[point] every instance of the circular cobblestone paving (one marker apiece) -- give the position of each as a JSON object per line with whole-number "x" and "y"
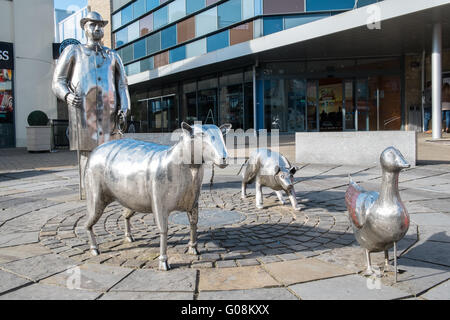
{"x": 231, "y": 232}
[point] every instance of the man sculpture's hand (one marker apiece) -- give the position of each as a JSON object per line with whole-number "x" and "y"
{"x": 73, "y": 100}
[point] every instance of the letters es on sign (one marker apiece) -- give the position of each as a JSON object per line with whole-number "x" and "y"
{"x": 6, "y": 55}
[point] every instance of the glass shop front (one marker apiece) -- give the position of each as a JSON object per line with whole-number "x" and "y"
{"x": 344, "y": 95}
{"x": 7, "y": 133}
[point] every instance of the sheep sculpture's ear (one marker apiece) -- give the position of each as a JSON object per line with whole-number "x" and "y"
{"x": 187, "y": 128}
{"x": 225, "y": 128}
{"x": 293, "y": 170}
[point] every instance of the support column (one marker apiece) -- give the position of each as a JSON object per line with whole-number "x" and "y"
{"x": 436, "y": 84}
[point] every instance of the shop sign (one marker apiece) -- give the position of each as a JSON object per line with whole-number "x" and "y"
{"x": 6, "y": 55}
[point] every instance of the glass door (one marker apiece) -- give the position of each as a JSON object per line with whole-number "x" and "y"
{"x": 330, "y": 104}
{"x": 6, "y": 109}
{"x": 296, "y": 105}
{"x": 349, "y": 106}
{"x": 311, "y": 105}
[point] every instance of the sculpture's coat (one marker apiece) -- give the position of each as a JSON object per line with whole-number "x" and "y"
{"x": 270, "y": 169}
{"x": 148, "y": 177}
{"x": 379, "y": 220}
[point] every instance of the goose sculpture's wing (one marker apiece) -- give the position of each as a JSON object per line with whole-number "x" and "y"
{"x": 358, "y": 203}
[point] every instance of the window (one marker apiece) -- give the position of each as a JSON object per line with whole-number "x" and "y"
{"x": 177, "y": 10}
{"x": 210, "y": 2}
{"x": 169, "y": 37}
{"x": 147, "y": 64}
{"x": 127, "y": 54}
{"x": 362, "y": 3}
{"x": 248, "y": 9}
{"x": 133, "y": 68}
{"x": 139, "y": 49}
{"x": 218, "y": 41}
{"x": 127, "y": 14}
{"x": 154, "y": 43}
{"x": 272, "y": 25}
{"x": 146, "y": 25}
{"x": 206, "y": 22}
{"x": 121, "y": 37}
{"x": 285, "y": 6}
{"x": 194, "y": 5}
{"x": 293, "y": 21}
{"x": 152, "y": 4}
{"x": 229, "y": 13}
{"x": 116, "y": 20}
{"x": 186, "y": 30}
{"x": 320, "y": 5}
{"x": 139, "y": 8}
{"x": 196, "y": 48}
{"x": 241, "y": 33}
{"x": 177, "y": 54}
{"x": 161, "y": 59}
{"x": 133, "y": 31}
{"x": 160, "y": 18}
{"x": 258, "y": 7}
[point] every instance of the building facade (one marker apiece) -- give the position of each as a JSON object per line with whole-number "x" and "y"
{"x": 309, "y": 65}
{"x": 26, "y": 66}
{"x": 69, "y": 27}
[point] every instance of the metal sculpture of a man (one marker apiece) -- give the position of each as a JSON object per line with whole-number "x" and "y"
{"x": 91, "y": 79}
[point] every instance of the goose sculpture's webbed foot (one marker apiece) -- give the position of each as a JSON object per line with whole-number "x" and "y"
{"x": 387, "y": 266}
{"x": 369, "y": 270}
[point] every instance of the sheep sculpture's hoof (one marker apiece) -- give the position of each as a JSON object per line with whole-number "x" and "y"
{"x": 129, "y": 239}
{"x": 193, "y": 251}
{"x": 163, "y": 266}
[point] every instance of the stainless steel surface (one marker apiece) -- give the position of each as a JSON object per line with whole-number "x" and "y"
{"x": 148, "y": 177}
{"x": 379, "y": 220}
{"x": 91, "y": 79}
{"x": 271, "y": 169}
{"x": 436, "y": 83}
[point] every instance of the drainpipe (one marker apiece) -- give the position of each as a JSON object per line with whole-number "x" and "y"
{"x": 436, "y": 76}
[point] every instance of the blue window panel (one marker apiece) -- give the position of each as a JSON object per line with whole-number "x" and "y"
{"x": 139, "y": 49}
{"x": 121, "y": 37}
{"x": 152, "y": 4}
{"x": 139, "y": 8}
{"x": 218, "y": 41}
{"x": 206, "y": 22}
{"x": 160, "y": 18}
{"x": 117, "y": 20}
{"x": 320, "y": 5}
{"x": 133, "y": 68}
{"x": 258, "y": 7}
{"x": 362, "y": 3}
{"x": 154, "y": 43}
{"x": 229, "y": 13}
{"x": 169, "y": 37}
{"x": 177, "y": 10}
{"x": 272, "y": 25}
{"x": 293, "y": 21}
{"x": 177, "y": 54}
{"x": 127, "y": 54}
{"x": 147, "y": 64}
{"x": 127, "y": 14}
{"x": 194, "y": 5}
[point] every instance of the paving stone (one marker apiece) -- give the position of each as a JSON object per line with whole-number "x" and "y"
{"x": 46, "y": 292}
{"x": 9, "y": 281}
{"x": 440, "y": 292}
{"x": 269, "y": 259}
{"x": 38, "y": 267}
{"x": 22, "y": 252}
{"x": 251, "y": 294}
{"x": 418, "y": 276}
{"x": 18, "y": 238}
{"x": 351, "y": 287}
{"x": 147, "y": 296}
{"x": 226, "y": 264}
{"x": 202, "y": 264}
{"x": 248, "y": 262}
{"x": 150, "y": 280}
{"x": 235, "y": 279}
{"x": 92, "y": 277}
{"x": 304, "y": 270}
{"x": 430, "y": 251}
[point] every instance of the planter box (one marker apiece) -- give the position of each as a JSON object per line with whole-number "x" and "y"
{"x": 39, "y": 138}
{"x": 362, "y": 148}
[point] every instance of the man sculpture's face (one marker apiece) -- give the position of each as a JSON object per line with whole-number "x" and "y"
{"x": 94, "y": 30}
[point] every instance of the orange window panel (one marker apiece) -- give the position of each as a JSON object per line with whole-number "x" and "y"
{"x": 186, "y": 30}
{"x": 161, "y": 59}
{"x": 241, "y": 33}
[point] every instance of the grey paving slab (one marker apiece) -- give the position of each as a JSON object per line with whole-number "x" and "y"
{"x": 132, "y": 295}
{"x": 39, "y": 267}
{"x": 9, "y": 281}
{"x": 431, "y": 219}
{"x": 18, "y": 238}
{"x": 419, "y": 276}
{"x": 9, "y": 254}
{"x": 150, "y": 280}
{"x": 46, "y": 292}
{"x": 430, "y": 251}
{"x": 96, "y": 277}
{"x": 352, "y": 287}
{"x": 250, "y": 294}
{"x": 440, "y": 292}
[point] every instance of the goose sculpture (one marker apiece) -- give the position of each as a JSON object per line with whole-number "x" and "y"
{"x": 379, "y": 220}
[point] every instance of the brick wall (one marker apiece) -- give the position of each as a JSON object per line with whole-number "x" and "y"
{"x": 104, "y": 8}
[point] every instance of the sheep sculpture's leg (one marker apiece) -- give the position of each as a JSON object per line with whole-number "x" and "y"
{"x": 127, "y": 214}
{"x": 293, "y": 199}
{"x": 280, "y": 197}
{"x": 395, "y": 261}
{"x": 193, "y": 220}
{"x": 244, "y": 190}
{"x": 95, "y": 206}
{"x": 162, "y": 223}
{"x": 259, "y": 195}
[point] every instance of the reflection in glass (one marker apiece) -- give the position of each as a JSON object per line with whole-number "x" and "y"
{"x": 349, "y": 104}
{"x": 218, "y": 41}
{"x": 296, "y": 91}
{"x": 6, "y": 109}
{"x": 272, "y": 25}
{"x": 139, "y": 8}
{"x": 154, "y": 43}
{"x": 177, "y": 10}
{"x": 133, "y": 31}
{"x": 206, "y": 22}
{"x": 229, "y": 13}
{"x": 311, "y": 98}
{"x": 196, "y": 48}
{"x": 169, "y": 37}
{"x": 152, "y": 4}
{"x": 330, "y": 104}
{"x": 121, "y": 37}
{"x": 275, "y": 104}
{"x": 127, "y": 14}
{"x": 194, "y": 5}
{"x": 232, "y": 100}
{"x": 160, "y": 18}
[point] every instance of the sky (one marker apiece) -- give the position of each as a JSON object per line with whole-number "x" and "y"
{"x": 70, "y": 5}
